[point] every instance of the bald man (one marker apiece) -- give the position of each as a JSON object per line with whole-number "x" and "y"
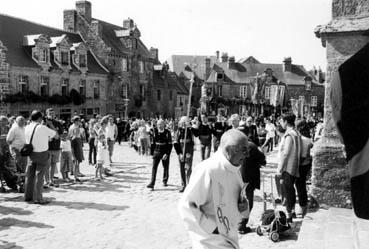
{"x": 215, "y": 199}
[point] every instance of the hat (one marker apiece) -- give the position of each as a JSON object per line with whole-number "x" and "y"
{"x": 76, "y": 118}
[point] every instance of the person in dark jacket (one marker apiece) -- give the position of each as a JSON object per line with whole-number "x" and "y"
{"x": 204, "y": 132}
{"x": 218, "y": 129}
{"x": 184, "y": 146}
{"x": 250, "y": 171}
{"x": 251, "y": 131}
{"x": 162, "y": 146}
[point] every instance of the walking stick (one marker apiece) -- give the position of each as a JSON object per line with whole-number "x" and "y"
{"x": 192, "y": 80}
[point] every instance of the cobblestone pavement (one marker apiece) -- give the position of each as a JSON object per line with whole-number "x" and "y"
{"x": 118, "y": 212}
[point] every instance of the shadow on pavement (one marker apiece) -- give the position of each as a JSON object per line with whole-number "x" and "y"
{"x": 14, "y": 210}
{"x": 87, "y": 205}
{"x": 6, "y": 223}
{"x": 11, "y": 245}
{"x": 95, "y": 186}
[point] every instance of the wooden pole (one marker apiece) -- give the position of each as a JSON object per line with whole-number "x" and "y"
{"x": 192, "y": 80}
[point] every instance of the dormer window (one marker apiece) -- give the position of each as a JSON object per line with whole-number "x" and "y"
{"x": 43, "y": 55}
{"x": 82, "y": 60}
{"x": 308, "y": 80}
{"x": 220, "y": 76}
{"x": 44, "y": 86}
{"x": 64, "y": 58}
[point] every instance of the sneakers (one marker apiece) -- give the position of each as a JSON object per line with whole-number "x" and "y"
{"x": 165, "y": 184}
{"x": 182, "y": 189}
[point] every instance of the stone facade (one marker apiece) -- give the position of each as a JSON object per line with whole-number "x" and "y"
{"x": 130, "y": 63}
{"x": 4, "y": 78}
{"x": 342, "y": 39}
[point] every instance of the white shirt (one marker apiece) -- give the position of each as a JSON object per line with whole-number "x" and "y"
{"x": 270, "y": 128}
{"x": 110, "y": 131}
{"x": 65, "y": 145}
{"x": 16, "y": 136}
{"x": 210, "y": 201}
{"x": 41, "y": 137}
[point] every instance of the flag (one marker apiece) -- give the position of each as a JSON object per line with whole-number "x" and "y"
{"x": 350, "y": 106}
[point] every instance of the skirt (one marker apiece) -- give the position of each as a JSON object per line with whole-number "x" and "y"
{"x": 77, "y": 149}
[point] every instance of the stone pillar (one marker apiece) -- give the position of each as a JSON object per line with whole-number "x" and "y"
{"x": 342, "y": 37}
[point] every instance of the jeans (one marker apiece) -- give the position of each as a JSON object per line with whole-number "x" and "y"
{"x": 20, "y": 161}
{"x": 207, "y": 148}
{"x": 269, "y": 144}
{"x": 92, "y": 151}
{"x": 35, "y": 176}
{"x": 157, "y": 157}
{"x": 289, "y": 190}
{"x": 51, "y": 165}
{"x": 111, "y": 147}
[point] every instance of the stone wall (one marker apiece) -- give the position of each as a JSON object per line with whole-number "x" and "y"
{"x": 330, "y": 178}
{"x": 4, "y": 76}
{"x": 55, "y": 80}
{"x": 354, "y": 8}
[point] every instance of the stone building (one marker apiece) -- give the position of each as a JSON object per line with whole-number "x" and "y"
{"x": 43, "y": 67}
{"x": 136, "y": 89}
{"x": 251, "y": 87}
{"x": 342, "y": 37}
{"x": 187, "y": 65}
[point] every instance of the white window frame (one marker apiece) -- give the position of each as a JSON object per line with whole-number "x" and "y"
{"x": 267, "y": 92}
{"x": 97, "y": 85}
{"x": 314, "y": 101}
{"x": 141, "y": 66}
{"x": 124, "y": 64}
{"x": 79, "y": 60}
{"x": 43, "y": 82}
{"x": 61, "y": 58}
{"x": 125, "y": 91}
{"x": 23, "y": 79}
{"x": 43, "y": 55}
{"x": 63, "y": 84}
{"x": 220, "y": 90}
{"x": 243, "y": 92}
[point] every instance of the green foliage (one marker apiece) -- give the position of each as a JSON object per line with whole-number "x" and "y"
{"x": 76, "y": 97}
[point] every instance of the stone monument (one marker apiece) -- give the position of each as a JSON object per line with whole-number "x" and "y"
{"x": 342, "y": 37}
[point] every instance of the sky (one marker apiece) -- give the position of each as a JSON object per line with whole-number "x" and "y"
{"x": 269, "y": 30}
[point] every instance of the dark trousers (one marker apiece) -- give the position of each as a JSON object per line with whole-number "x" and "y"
{"x": 92, "y": 151}
{"x": 216, "y": 142}
{"x": 301, "y": 185}
{"x": 156, "y": 160}
{"x": 205, "y": 151}
{"x": 269, "y": 144}
{"x": 288, "y": 187}
{"x": 250, "y": 198}
{"x": 186, "y": 167}
{"x": 35, "y": 176}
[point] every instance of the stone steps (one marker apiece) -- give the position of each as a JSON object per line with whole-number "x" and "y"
{"x": 334, "y": 228}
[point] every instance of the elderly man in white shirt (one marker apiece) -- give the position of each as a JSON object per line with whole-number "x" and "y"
{"x": 16, "y": 139}
{"x": 215, "y": 201}
{"x": 38, "y": 159}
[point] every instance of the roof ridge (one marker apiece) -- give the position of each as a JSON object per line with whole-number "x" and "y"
{"x": 47, "y": 26}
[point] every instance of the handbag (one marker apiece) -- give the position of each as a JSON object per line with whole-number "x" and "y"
{"x": 28, "y": 148}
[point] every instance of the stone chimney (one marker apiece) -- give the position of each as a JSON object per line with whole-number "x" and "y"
{"x": 154, "y": 53}
{"x": 84, "y": 9}
{"x": 207, "y": 68}
{"x": 224, "y": 57}
{"x": 96, "y": 27}
{"x": 70, "y": 20}
{"x": 287, "y": 64}
{"x": 231, "y": 61}
{"x": 217, "y": 55}
{"x": 128, "y": 23}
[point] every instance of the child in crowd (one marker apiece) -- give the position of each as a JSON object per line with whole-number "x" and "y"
{"x": 66, "y": 163}
{"x": 102, "y": 154}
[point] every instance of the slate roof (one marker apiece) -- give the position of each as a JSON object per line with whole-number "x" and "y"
{"x": 12, "y": 32}
{"x": 249, "y": 59}
{"x": 110, "y": 38}
{"x": 241, "y": 73}
{"x": 177, "y": 63}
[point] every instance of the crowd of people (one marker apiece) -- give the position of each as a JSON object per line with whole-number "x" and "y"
{"x": 55, "y": 141}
